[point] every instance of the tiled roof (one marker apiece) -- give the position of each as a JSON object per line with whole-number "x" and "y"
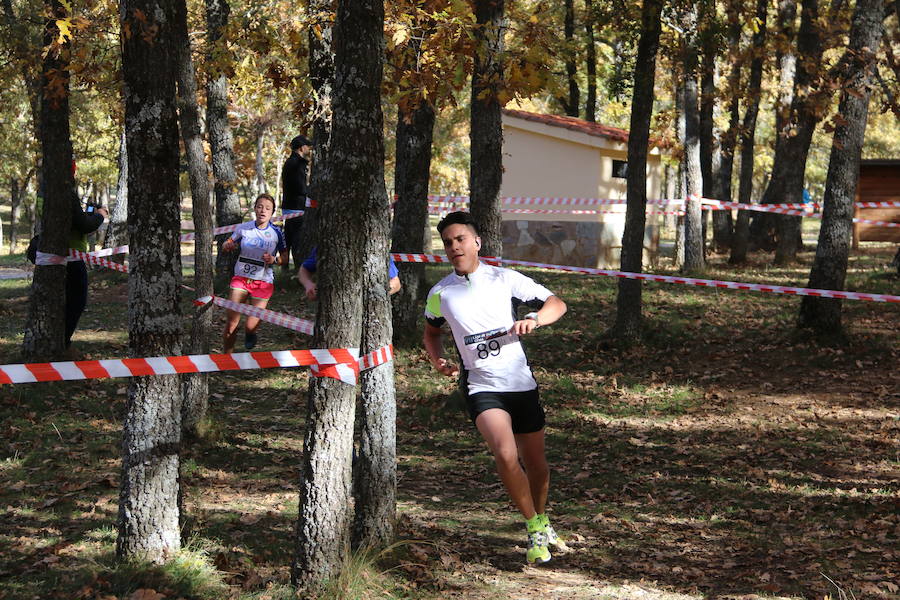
{"x": 580, "y": 125}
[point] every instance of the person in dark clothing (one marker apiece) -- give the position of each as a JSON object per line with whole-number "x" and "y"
{"x": 83, "y": 223}
{"x": 294, "y": 192}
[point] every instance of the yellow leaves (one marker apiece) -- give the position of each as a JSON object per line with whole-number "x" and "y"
{"x": 65, "y": 33}
{"x": 401, "y": 35}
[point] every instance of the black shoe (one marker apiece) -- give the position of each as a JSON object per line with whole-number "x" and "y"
{"x": 250, "y": 341}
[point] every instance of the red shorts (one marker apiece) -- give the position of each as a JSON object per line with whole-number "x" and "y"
{"x": 255, "y": 287}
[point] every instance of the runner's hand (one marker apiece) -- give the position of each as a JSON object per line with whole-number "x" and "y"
{"x": 524, "y": 326}
{"x": 445, "y": 367}
{"x": 228, "y": 246}
{"x": 268, "y": 258}
{"x": 312, "y": 292}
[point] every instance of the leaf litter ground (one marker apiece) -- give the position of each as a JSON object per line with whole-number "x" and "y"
{"x": 728, "y": 456}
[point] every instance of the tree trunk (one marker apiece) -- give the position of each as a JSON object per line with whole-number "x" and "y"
{"x": 628, "y": 302}
{"x": 810, "y": 45}
{"x": 486, "y": 131}
{"x": 411, "y": 176}
{"x": 748, "y": 136}
{"x": 680, "y": 126}
{"x": 573, "y": 102}
{"x": 45, "y": 328}
{"x": 195, "y": 386}
{"x": 764, "y": 224}
{"x": 375, "y": 472}
{"x": 149, "y": 506}
{"x": 829, "y": 270}
{"x": 355, "y": 184}
{"x": 16, "y": 194}
{"x": 321, "y": 76}
{"x": 221, "y": 142}
{"x": 723, "y": 229}
{"x": 693, "y": 226}
{"x": 117, "y": 228}
{"x": 590, "y": 109}
{"x": 786, "y": 59}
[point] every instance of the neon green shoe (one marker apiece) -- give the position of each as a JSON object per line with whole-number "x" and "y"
{"x": 538, "y": 552}
{"x": 553, "y": 538}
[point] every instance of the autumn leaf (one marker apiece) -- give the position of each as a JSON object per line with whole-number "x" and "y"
{"x": 64, "y": 31}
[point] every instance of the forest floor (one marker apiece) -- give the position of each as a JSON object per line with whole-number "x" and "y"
{"x": 728, "y": 456}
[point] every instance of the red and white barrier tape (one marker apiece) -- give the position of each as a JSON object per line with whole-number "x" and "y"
{"x": 43, "y": 259}
{"x": 552, "y": 201}
{"x": 96, "y": 260}
{"x": 435, "y": 258}
{"x": 339, "y": 363}
{"x": 734, "y": 285}
{"x": 562, "y": 201}
{"x": 438, "y": 210}
{"x": 186, "y": 237}
{"x": 782, "y": 209}
{"x": 372, "y": 359}
{"x": 263, "y": 314}
{"x": 774, "y": 208}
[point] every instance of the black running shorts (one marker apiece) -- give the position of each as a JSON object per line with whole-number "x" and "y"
{"x": 524, "y": 408}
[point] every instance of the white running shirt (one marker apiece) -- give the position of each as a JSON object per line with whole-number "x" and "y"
{"x": 254, "y": 243}
{"x": 480, "y": 310}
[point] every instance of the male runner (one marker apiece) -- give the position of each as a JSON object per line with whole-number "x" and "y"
{"x": 479, "y": 302}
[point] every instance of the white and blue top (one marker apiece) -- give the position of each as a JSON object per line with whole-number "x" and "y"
{"x": 480, "y": 308}
{"x": 254, "y": 243}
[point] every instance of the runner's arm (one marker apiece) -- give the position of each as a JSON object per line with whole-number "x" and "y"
{"x": 432, "y": 340}
{"x": 394, "y": 285}
{"x": 552, "y": 310}
{"x": 308, "y": 284}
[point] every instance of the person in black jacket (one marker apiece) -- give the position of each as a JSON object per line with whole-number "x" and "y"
{"x": 294, "y": 192}
{"x": 83, "y": 223}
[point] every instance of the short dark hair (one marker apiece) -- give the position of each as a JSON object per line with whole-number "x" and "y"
{"x": 457, "y": 218}
{"x": 300, "y": 140}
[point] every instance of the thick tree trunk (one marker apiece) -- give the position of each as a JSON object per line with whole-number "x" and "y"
{"x": 45, "y": 328}
{"x": 710, "y": 150}
{"x": 810, "y": 45}
{"x": 411, "y": 175}
{"x": 375, "y": 472}
{"x": 590, "y": 109}
{"x": 221, "y": 141}
{"x": 321, "y": 75}
{"x": 693, "y": 226}
{"x": 573, "y": 102}
{"x": 486, "y": 132}
{"x": 829, "y": 270}
{"x": 149, "y": 506}
{"x": 117, "y": 228}
{"x": 763, "y": 224}
{"x": 628, "y": 302}
{"x": 195, "y": 386}
{"x": 680, "y": 127}
{"x": 748, "y": 136}
{"x": 356, "y": 184}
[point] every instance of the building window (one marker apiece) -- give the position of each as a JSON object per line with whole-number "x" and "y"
{"x": 620, "y": 168}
